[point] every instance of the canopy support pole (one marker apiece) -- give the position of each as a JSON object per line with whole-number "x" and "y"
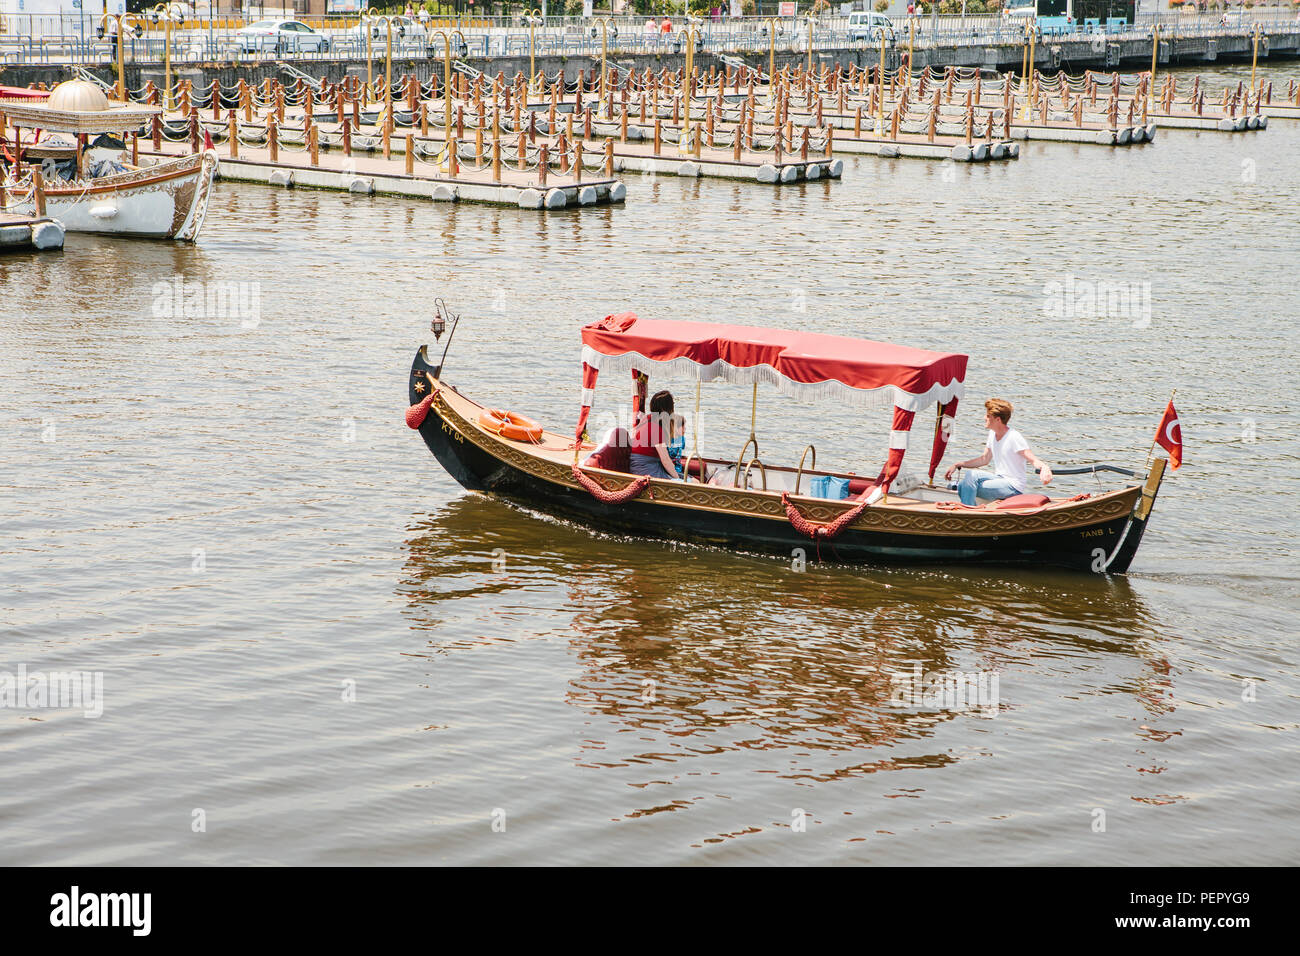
{"x": 695, "y": 426}
{"x": 938, "y": 430}
{"x": 751, "y": 440}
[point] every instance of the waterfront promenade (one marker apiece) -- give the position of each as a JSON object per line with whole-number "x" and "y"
{"x": 203, "y": 50}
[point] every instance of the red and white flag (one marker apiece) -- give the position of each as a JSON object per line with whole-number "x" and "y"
{"x": 207, "y": 141}
{"x": 1169, "y": 436}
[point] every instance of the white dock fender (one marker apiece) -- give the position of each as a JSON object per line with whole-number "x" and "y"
{"x": 812, "y": 171}
{"x": 980, "y": 152}
{"x": 835, "y": 169}
{"x": 104, "y": 210}
{"x": 555, "y": 199}
{"x": 999, "y": 151}
{"x": 961, "y": 153}
{"x": 361, "y": 185}
{"x": 280, "y": 177}
{"x": 888, "y": 151}
{"x": 587, "y": 196}
{"x": 530, "y": 199}
{"x": 1106, "y": 137}
{"x": 1227, "y": 124}
{"x": 1124, "y": 137}
{"x": 689, "y": 170}
{"x": 767, "y": 173}
{"x": 789, "y": 174}
{"x": 48, "y": 235}
{"x": 445, "y": 193}
{"x": 618, "y": 192}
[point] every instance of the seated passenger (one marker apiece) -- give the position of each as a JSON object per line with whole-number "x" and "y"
{"x": 1008, "y": 451}
{"x": 649, "y": 453}
{"x": 677, "y": 440}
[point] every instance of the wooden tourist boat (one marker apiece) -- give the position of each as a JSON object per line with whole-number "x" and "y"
{"x": 769, "y": 509}
{"x": 168, "y": 200}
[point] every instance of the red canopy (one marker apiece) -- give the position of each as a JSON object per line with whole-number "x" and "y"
{"x": 806, "y": 365}
{"x": 801, "y": 364}
{"x": 22, "y": 93}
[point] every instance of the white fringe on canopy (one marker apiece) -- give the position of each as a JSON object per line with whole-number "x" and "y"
{"x": 687, "y": 369}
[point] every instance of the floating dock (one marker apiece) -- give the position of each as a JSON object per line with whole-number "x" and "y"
{"x": 29, "y": 233}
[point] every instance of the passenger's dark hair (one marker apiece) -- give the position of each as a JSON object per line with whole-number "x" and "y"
{"x": 662, "y": 403}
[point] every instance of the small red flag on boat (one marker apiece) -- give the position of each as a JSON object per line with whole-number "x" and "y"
{"x": 1169, "y": 436}
{"x": 207, "y": 140}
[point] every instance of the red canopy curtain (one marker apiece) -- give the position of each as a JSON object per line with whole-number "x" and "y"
{"x": 942, "y": 432}
{"x": 898, "y": 435}
{"x": 589, "y": 374}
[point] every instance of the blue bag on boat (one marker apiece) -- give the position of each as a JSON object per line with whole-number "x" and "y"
{"x": 828, "y": 486}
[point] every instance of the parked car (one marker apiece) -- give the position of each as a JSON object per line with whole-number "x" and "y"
{"x": 870, "y": 26}
{"x": 281, "y": 36}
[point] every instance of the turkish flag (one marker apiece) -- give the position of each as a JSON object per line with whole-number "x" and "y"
{"x": 1169, "y": 436}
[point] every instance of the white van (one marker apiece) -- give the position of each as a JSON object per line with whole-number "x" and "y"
{"x": 870, "y": 26}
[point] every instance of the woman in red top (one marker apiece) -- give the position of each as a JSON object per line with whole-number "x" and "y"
{"x": 649, "y": 452}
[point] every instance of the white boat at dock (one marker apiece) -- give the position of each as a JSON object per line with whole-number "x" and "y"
{"x": 167, "y": 200}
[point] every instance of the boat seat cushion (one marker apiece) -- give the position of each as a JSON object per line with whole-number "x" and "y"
{"x": 613, "y": 454}
{"x": 1023, "y": 501}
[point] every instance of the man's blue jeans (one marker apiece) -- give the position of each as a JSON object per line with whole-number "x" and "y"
{"x": 981, "y": 484}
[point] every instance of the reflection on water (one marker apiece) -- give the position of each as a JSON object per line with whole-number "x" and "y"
{"x": 666, "y": 644}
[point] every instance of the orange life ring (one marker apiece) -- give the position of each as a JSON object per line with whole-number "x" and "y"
{"x": 509, "y": 425}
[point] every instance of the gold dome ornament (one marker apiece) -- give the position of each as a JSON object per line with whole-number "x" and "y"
{"x": 78, "y": 96}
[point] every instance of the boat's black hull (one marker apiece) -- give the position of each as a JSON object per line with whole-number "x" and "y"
{"x": 1103, "y": 545}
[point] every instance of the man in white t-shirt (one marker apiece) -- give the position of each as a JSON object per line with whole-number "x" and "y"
{"x": 1008, "y": 451}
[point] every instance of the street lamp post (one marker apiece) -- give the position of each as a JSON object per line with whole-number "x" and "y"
{"x": 880, "y": 96}
{"x": 1155, "y": 49}
{"x": 604, "y": 53}
{"x": 367, "y": 16}
{"x": 168, "y": 13}
{"x": 533, "y": 16}
{"x": 810, "y": 43}
{"x": 690, "y": 36}
{"x": 446, "y": 78}
{"x": 771, "y": 51}
{"x": 119, "y": 21}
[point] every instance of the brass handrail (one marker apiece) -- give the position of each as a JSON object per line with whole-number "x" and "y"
{"x": 740, "y": 459}
{"x": 761, "y": 470}
{"x": 686, "y": 467}
{"x": 799, "y": 474}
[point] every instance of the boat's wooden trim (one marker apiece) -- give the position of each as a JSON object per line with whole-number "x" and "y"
{"x": 116, "y": 182}
{"x": 553, "y": 460}
{"x": 1149, "y": 490}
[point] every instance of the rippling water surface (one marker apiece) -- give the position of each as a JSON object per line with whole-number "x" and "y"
{"x": 231, "y": 522}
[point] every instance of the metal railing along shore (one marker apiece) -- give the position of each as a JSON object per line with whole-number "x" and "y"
{"x": 80, "y": 40}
